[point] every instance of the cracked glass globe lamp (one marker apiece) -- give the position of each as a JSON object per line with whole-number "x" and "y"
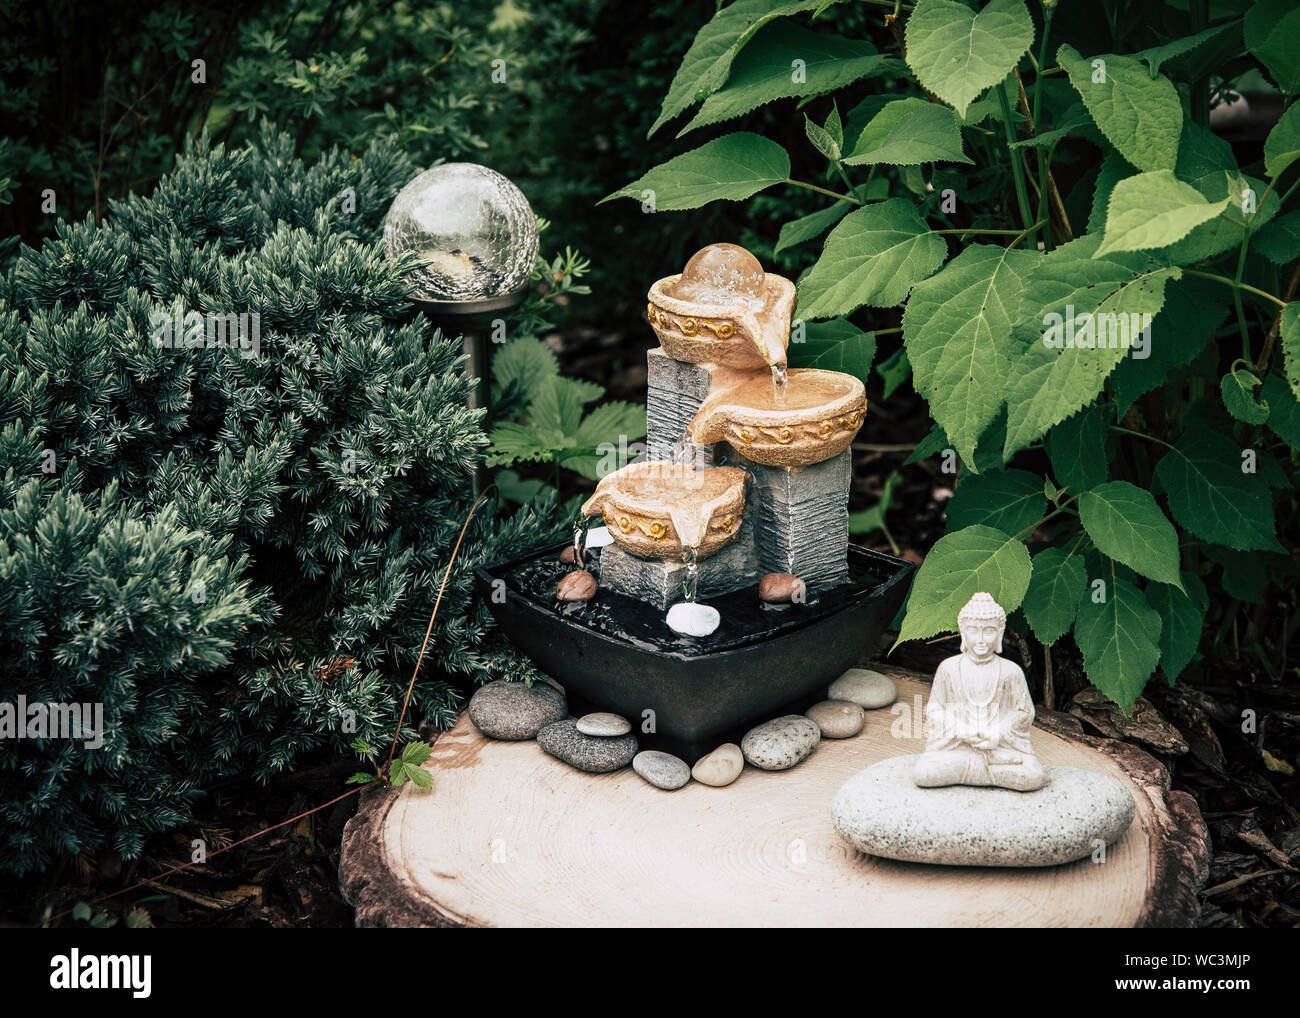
{"x": 474, "y": 236}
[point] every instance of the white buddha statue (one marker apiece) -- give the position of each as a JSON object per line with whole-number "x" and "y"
{"x": 978, "y": 718}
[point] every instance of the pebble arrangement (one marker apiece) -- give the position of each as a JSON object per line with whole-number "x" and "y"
{"x": 603, "y": 742}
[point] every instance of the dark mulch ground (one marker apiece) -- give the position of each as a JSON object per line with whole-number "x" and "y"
{"x": 1241, "y": 774}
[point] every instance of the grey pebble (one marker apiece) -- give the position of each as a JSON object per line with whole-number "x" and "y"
{"x": 604, "y": 725}
{"x": 663, "y": 770}
{"x": 591, "y": 753}
{"x": 781, "y": 743}
{"x": 513, "y": 711}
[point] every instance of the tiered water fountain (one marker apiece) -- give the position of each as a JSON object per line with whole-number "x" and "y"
{"x": 730, "y": 590}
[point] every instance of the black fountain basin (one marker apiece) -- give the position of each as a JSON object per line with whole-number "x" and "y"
{"x": 617, "y": 654}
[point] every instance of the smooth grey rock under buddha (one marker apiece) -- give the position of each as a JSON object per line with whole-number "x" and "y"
{"x": 801, "y": 517}
{"x": 882, "y": 812}
{"x": 591, "y": 753}
{"x": 663, "y": 770}
{"x": 604, "y": 725}
{"x": 674, "y": 392}
{"x": 660, "y": 582}
{"x": 513, "y": 711}
{"x": 781, "y": 743}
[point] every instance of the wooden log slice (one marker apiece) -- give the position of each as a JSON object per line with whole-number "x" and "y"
{"x": 509, "y": 836}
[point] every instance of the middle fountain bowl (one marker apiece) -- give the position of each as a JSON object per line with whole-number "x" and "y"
{"x": 651, "y": 505}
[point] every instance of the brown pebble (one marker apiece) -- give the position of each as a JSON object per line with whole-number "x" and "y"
{"x": 782, "y": 588}
{"x": 578, "y": 585}
{"x": 567, "y": 554}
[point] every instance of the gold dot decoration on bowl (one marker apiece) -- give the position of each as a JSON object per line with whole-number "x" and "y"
{"x": 658, "y": 531}
{"x": 689, "y": 326}
{"x": 625, "y": 524}
{"x": 726, "y": 523}
{"x": 785, "y": 436}
{"x": 746, "y": 435}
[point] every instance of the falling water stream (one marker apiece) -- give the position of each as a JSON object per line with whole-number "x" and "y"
{"x": 691, "y": 581}
{"x": 780, "y": 380}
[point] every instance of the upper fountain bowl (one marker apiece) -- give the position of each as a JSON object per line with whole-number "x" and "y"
{"x": 722, "y": 308}
{"x": 814, "y": 419}
{"x": 654, "y": 508}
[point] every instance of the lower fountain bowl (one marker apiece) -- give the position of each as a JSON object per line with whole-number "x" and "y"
{"x": 682, "y": 694}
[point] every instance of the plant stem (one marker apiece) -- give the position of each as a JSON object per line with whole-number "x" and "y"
{"x": 1043, "y": 157}
{"x": 1236, "y": 297}
{"x": 825, "y": 191}
{"x": 1034, "y": 526}
{"x": 1139, "y": 434}
{"x": 1017, "y": 171}
{"x": 1236, "y": 285}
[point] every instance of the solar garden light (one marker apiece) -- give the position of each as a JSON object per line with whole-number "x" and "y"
{"x": 476, "y": 237}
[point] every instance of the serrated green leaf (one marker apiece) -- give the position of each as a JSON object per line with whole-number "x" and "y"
{"x": 960, "y": 565}
{"x": 1191, "y": 314}
{"x": 420, "y": 777}
{"x": 764, "y": 70}
{"x": 730, "y": 168}
{"x": 397, "y": 773}
{"x": 1114, "y": 168}
{"x": 957, "y": 333}
{"x": 1279, "y": 241}
{"x": 1076, "y": 449}
{"x": 1238, "y": 389}
{"x": 1283, "y": 410}
{"x": 1119, "y": 640}
{"x": 1007, "y": 500}
{"x": 707, "y": 63}
{"x": 1049, "y": 383}
{"x": 1140, "y": 115}
{"x": 1272, "y": 31}
{"x": 873, "y": 257}
{"x": 957, "y": 53}
{"x": 835, "y": 345}
{"x": 1210, "y": 496}
{"x": 526, "y": 362}
{"x": 822, "y": 140}
{"x": 1282, "y": 147}
{"x": 360, "y": 778}
{"x": 557, "y": 406}
{"x": 1289, "y": 324}
{"x": 1154, "y": 210}
{"x": 1157, "y": 56}
{"x": 1126, "y": 524}
{"x": 908, "y": 132}
{"x": 1182, "y": 617}
{"x": 799, "y": 231}
{"x": 416, "y": 753}
{"x": 1057, "y": 587}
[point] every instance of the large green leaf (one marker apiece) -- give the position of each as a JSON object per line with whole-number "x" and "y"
{"x": 1126, "y": 524}
{"x": 705, "y": 67}
{"x": 1211, "y": 496}
{"x": 1279, "y": 241}
{"x": 1007, "y": 500}
{"x": 957, "y": 331}
{"x": 1055, "y": 590}
{"x": 1119, "y": 639}
{"x": 1191, "y": 314}
{"x": 1238, "y": 390}
{"x": 1272, "y": 30}
{"x": 835, "y": 345}
{"x": 873, "y": 257}
{"x": 1282, "y": 147}
{"x": 1182, "y": 617}
{"x": 1154, "y": 210}
{"x": 960, "y": 565}
{"x": 1077, "y": 449}
{"x": 957, "y": 53}
{"x": 1139, "y": 114}
{"x": 1220, "y": 38}
{"x": 908, "y": 132}
{"x": 764, "y": 71}
{"x": 1089, "y": 295}
{"x": 730, "y": 168}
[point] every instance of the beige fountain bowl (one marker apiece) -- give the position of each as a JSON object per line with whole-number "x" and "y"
{"x": 654, "y": 508}
{"x": 816, "y": 418}
{"x": 739, "y": 335}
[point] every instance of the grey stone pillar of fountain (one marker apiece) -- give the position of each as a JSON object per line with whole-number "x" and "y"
{"x": 795, "y": 521}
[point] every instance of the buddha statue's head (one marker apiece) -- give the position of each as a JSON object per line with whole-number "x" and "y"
{"x": 981, "y": 624}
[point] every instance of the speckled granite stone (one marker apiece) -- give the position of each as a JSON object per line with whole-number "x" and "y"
{"x": 663, "y": 770}
{"x": 513, "y": 711}
{"x": 880, "y": 811}
{"x": 781, "y": 743}
{"x": 591, "y": 753}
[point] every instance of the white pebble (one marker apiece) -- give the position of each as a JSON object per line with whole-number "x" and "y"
{"x": 598, "y": 537}
{"x": 691, "y": 619}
